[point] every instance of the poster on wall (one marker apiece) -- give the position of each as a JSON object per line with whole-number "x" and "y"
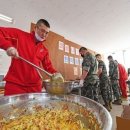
{"x": 75, "y": 70}
{"x": 67, "y": 48}
{"x": 76, "y": 61}
{"x": 72, "y": 50}
{"x": 80, "y": 71}
{"x": 66, "y": 59}
{"x": 61, "y": 45}
{"x": 81, "y": 61}
{"x": 77, "y": 51}
{"x": 71, "y": 60}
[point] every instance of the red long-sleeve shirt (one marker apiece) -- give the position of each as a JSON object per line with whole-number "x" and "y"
{"x": 19, "y": 71}
{"x": 122, "y": 72}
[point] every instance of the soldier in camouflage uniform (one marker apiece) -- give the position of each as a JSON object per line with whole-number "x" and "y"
{"x": 105, "y": 87}
{"x": 114, "y": 77}
{"x": 89, "y": 76}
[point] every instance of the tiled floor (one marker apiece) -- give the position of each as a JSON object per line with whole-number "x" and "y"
{"x": 116, "y": 111}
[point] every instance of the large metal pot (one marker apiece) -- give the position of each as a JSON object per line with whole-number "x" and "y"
{"x": 74, "y": 101}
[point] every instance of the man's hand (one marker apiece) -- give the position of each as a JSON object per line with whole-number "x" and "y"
{"x": 57, "y": 77}
{"x": 11, "y": 51}
{"x": 57, "y": 74}
{"x": 81, "y": 82}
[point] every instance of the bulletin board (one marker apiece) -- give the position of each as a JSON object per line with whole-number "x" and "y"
{"x": 64, "y": 55}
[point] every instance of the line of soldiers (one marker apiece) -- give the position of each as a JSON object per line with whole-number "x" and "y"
{"x": 94, "y": 78}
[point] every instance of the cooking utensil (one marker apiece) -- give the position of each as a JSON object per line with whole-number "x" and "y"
{"x": 56, "y": 83}
{"x": 54, "y": 77}
{"x": 58, "y": 87}
{"x": 37, "y": 67}
{"x": 74, "y": 102}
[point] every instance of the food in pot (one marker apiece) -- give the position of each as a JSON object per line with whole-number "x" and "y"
{"x": 46, "y": 120}
{"x": 52, "y": 119}
{"x": 58, "y": 88}
{"x": 57, "y": 78}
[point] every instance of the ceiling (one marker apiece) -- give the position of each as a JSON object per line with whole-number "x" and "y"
{"x": 101, "y": 25}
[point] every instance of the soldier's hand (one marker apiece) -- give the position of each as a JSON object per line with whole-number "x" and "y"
{"x": 11, "y": 51}
{"x": 81, "y": 82}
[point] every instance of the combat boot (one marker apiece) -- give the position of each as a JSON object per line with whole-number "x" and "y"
{"x": 110, "y": 104}
{"x": 107, "y": 107}
{"x": 117, "y": 102}
{"x": 124, "y": 99}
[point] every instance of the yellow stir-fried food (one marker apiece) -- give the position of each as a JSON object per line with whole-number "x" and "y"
{"x": 46, "y": 119}
{"x": 56, "y": 90}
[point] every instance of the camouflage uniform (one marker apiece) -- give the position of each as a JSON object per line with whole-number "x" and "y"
{"x": 91, "y": 82}
{"x": 105, "y": 87}
{"x": 114, "y": 77}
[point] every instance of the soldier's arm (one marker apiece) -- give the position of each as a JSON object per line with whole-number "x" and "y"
{"x": 86, "y": 67}
{"x": 99, "y": 71}
{"x": 111, "y": 69}
{"x": 100, "y": 66}
{"x": 84, "y": 74}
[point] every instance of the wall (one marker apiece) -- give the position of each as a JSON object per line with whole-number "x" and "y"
{"x": 122, "y": 56}
{"x": 61, "y": 49}
{"x": 4, "y": 62}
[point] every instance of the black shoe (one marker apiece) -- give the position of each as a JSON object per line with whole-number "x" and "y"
{"x": 117, "y": 102}
{"x": 107, "y": 107}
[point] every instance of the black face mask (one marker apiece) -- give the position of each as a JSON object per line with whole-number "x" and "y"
{"x": 82, "y": 55}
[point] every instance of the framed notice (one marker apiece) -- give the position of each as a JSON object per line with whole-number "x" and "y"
{"x": 66, "y": 59}
{"x": 67, "y": 48}
{"x": 71, "y": 60}
{"x": 75, "y": 70}
{"x": 76, "y": 61}
{"x": 72, "y": 50}
{"x": 81, "y": 61}
{"x": 61, "y": 45}
{"x": 77, "y": 51}
{"x": 80, "y": 71}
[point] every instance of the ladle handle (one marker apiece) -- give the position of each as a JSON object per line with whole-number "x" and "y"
{"x": 35, "y": 66}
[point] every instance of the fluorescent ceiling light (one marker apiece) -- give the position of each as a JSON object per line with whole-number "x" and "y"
{"x": 6, "y": 18}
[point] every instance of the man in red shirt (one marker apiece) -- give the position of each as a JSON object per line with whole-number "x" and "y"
{"x": 22, "y": 77}
{"x": 123, "y": 76}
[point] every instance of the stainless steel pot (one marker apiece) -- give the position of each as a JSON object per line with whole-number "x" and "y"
{"x": 27, "y": 101}
{"x": 58, "y": 87}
